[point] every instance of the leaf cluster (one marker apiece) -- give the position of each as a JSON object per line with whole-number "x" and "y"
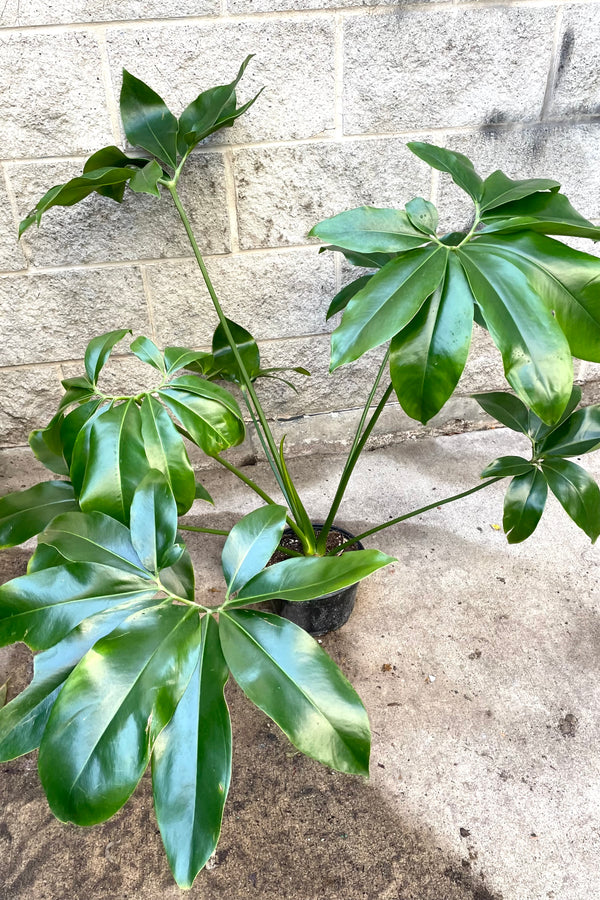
{"x": 538, "y": 298}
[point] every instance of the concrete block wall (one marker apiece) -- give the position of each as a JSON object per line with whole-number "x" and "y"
{"x": 512, "y": 84}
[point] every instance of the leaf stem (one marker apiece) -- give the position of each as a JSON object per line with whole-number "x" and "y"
{"x": 201, "y": 530}
{"x": 415, "y": 512}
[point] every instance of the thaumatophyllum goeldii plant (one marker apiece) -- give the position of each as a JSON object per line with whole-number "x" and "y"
{"x": 108, "y": 601}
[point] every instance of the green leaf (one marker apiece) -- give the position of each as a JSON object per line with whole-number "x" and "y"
{"x": 523, "y": 505}
{"x": 458, "y": 166}
{"x": 250, "y": 545}
{"x": 191, "y": 764}
{"x": 538, "y": 430}
{"x": 547, "y": 213}
{"x": 148, "y": 352}
{"x": 40, "y": 609}
{"x": 429, "y": 354}
{"x": 569, "y": 285}
{"x": 147, "y": 121}
{"x": 78, "y": 420}
{"x": 287, "y": 675}
{"x": 47, "y": 446}
{"x": 166, "y": 452}
{"x": 577, "y": 492}
{"x": 103, "y": 726}
{"x": 113, "y": 157}
{"x": 499, "y": 189}
{"x": 94, "y": 537}
{"x": 208, "y": 412}
{"x": 423, "y": 215}
{"x": 23, "y": 721}
{"x": 145, "y": 181}
{"x": 200, "y": 493}
{"x": 578, "y": 434}
{"x": 343, "y": 297}
{"x": 178, "y": 574}
{"x": 179, "y": 357}
{"x": 210, "y": 111}
{"x": 26, "y": 513}
{"x": 506, "y": 466}
{"x": 98, "y": 351}
{"x": 370, "y": 230}
{"x": 387, "y": 303}
{"x": 44, "y": 557}
{"x": 116, "y": 461}
{"x": 308, "y": 577}
{"x": 536, "y": 355}
{"x": 365, "y": 260}
{"x": 153, "y": 520}
{"x": 224, "y": 362}
{"x": 110, "y": 182}
{"x": 506, "y": 408}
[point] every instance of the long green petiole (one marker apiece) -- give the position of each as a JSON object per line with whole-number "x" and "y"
{"x": 353, "y": 455}
{"x": 415, "y": 512}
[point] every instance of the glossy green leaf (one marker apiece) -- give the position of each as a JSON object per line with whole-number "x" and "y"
{"x": 72, "y": 425}
{"x": 250, "y": 545}
{"x": 423, "y": 215}
{"x": 343, "y": 297}
{"x": 458, "y": 166}
{"x": 287, "y": 675}
{"x": 538, "y": 430}
{"x": 45, "y": 557}
{"x": 178, "y": 574}
{"x": 200, "y": 493}
{"x": 153, "y": 520}
{"x": 113, "y": 706}
{"x": 580, "y": 433}
{"x": 536, "y": 356}
{"x": 365, "y": 260}
{"x": 23, "y": 721}
{"x": 179, "y": 357}
{"x": 577, "y": 492}
{"x": 145, "y": 181}
{"x": 523, "y": 505}
{"x": 210, "y": 111}
{"x": 307, "y": 577}
{"x": 40, "y": 609}
{"x": 568, "y": 283}
{"x": 110, "y": 182}
{"x": 25, "y": 513}
{"x": 224, "y": 362}
{"x": 370, "y": 230}
{"x": 387, "y": 303}
{"x": 506, "y": 466}
{"x": 147, "y": 121}
{"x": 148, "y": 352}
{"x": 46, "y": 445}
{"x": 116, "y": 461}
{"x": 429, "y": 354}
{"x": 191, "y": 764}
{"x": 77, "y": 390}
{"x": 166, "y": 452}
{"x": 506, "y": 408}
{"x": 94, "y": 537}
{"x": 209, "y": 413}
{"x": 113, "y": 157}
{"x": 547, "y": 213}
{"x": 499, "y": 189}
{"x": 98, "y": 350}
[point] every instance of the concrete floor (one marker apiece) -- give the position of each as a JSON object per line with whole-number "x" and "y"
{"x": 478, "y": 664}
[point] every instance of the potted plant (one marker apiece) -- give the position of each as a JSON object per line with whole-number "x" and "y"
{"x": 129, "y": 667}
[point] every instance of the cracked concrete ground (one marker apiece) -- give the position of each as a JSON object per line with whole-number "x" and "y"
{"x": 478, "y": 664}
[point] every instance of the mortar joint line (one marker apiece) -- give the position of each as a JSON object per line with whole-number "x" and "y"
{"x": 231, "y": 199}
{"x": 111, "y": 100}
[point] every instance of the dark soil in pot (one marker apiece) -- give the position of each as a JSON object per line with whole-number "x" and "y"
{"x": 326, "y": 613}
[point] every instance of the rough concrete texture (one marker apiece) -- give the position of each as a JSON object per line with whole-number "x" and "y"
{"x": 17, "y": 14}
{"x": 478, "y": 664}
{"x": 394, "y": 80}
{"x": 264, "y": 292}
{"x": 294, "y": 63}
